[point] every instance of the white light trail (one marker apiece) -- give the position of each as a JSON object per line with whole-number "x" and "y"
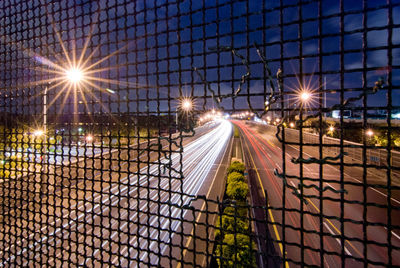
{"x": 198, "y": 158}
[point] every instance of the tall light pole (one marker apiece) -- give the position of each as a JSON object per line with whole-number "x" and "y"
{"x": 45, "y": 118}
{"x": 325, "y": 97}
{"x": 73, "y": 76}
{"x": 45, "y": 110}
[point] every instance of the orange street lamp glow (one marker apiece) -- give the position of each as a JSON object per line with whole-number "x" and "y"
{"x": 305, "y": 96}
{"x": 89, "y": 138}
{"x": 370, "y": 133}
{"x": 38, "y": 132}
{"x": 187, "y": 105}
{"x": 74, "y": 75}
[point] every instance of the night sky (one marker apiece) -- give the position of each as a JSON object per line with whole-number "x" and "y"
{"x": 162, "y": 42}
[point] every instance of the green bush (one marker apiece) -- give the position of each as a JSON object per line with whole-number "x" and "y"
{"x": 236, "y": 133}
{"x": 4, "y": 174}
{"x": 230, "y": 223}
{"x": 236, "y": 166}
{"x": 382, "y": 140}
{"x": 237, "y": 190}
{"x": 235, "y": 176}
{"x": 244, "y": 254}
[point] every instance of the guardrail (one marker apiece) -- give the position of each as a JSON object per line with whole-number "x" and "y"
{"x": 376, "y": 157}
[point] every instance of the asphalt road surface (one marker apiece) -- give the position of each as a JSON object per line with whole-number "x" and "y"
{"x": 364, "y": 216}
{"x": 112, "y": 209}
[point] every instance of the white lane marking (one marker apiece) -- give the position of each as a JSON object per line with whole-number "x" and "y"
{"x": 337, "y": 239}
{"x": 279, "y": 167}
{"x": 393, "y": 233}
{"x": 308, "y": 169}
{"x": 325, "y": 175}
{"x": 393, "y": 199}
{"x": 330, "y": 186}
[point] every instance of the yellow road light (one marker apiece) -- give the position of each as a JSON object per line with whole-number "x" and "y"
{"x": 89, "y": 138}
{"x": 38, "y": 132}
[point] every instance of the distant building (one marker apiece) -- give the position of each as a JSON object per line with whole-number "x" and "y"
{"x": 345, "y": 113}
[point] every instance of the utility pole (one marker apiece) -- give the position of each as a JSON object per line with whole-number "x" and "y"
{"x": 45, "y": 111}
{"x": 325, "y": 97}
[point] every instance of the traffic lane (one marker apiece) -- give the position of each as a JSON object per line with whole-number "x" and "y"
{"x": 198, "y": 229}
{"x": 292, "y": 219}
{"x": 329, "y": 226}
{"x": 211, "y": 187}
{"x": 356, "y": 172}
{"x": 355, "y": 212}
{"x": 106, "y": 220}
{"x": 92, "y": 169}
{"x": 66, "y": 201}
{"x": 269, "y": 256}
{"x": 17, "y": 193}
{"x": 195, "y": 173}
{"x": 331, "y": 175}
{"x": 375, "y": 253}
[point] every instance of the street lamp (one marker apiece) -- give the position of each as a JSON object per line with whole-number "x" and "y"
{"x": 89, "y": 138}
{"x": 74, "y": 75}
{"x": 185, "y": 105}
{"x": 38, "y": 132}
{"x": 305, "y": 96}
{"x": 369, "y": 133}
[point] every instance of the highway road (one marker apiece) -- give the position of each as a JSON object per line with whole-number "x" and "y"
{"x": 342, "y": 243}
{"x": 115, "y": 210}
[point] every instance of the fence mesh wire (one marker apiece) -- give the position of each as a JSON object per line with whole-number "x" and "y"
{"x": 109, "y": 156}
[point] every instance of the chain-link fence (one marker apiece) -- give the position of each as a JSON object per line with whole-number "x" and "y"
{"x": 121, "y": 119}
